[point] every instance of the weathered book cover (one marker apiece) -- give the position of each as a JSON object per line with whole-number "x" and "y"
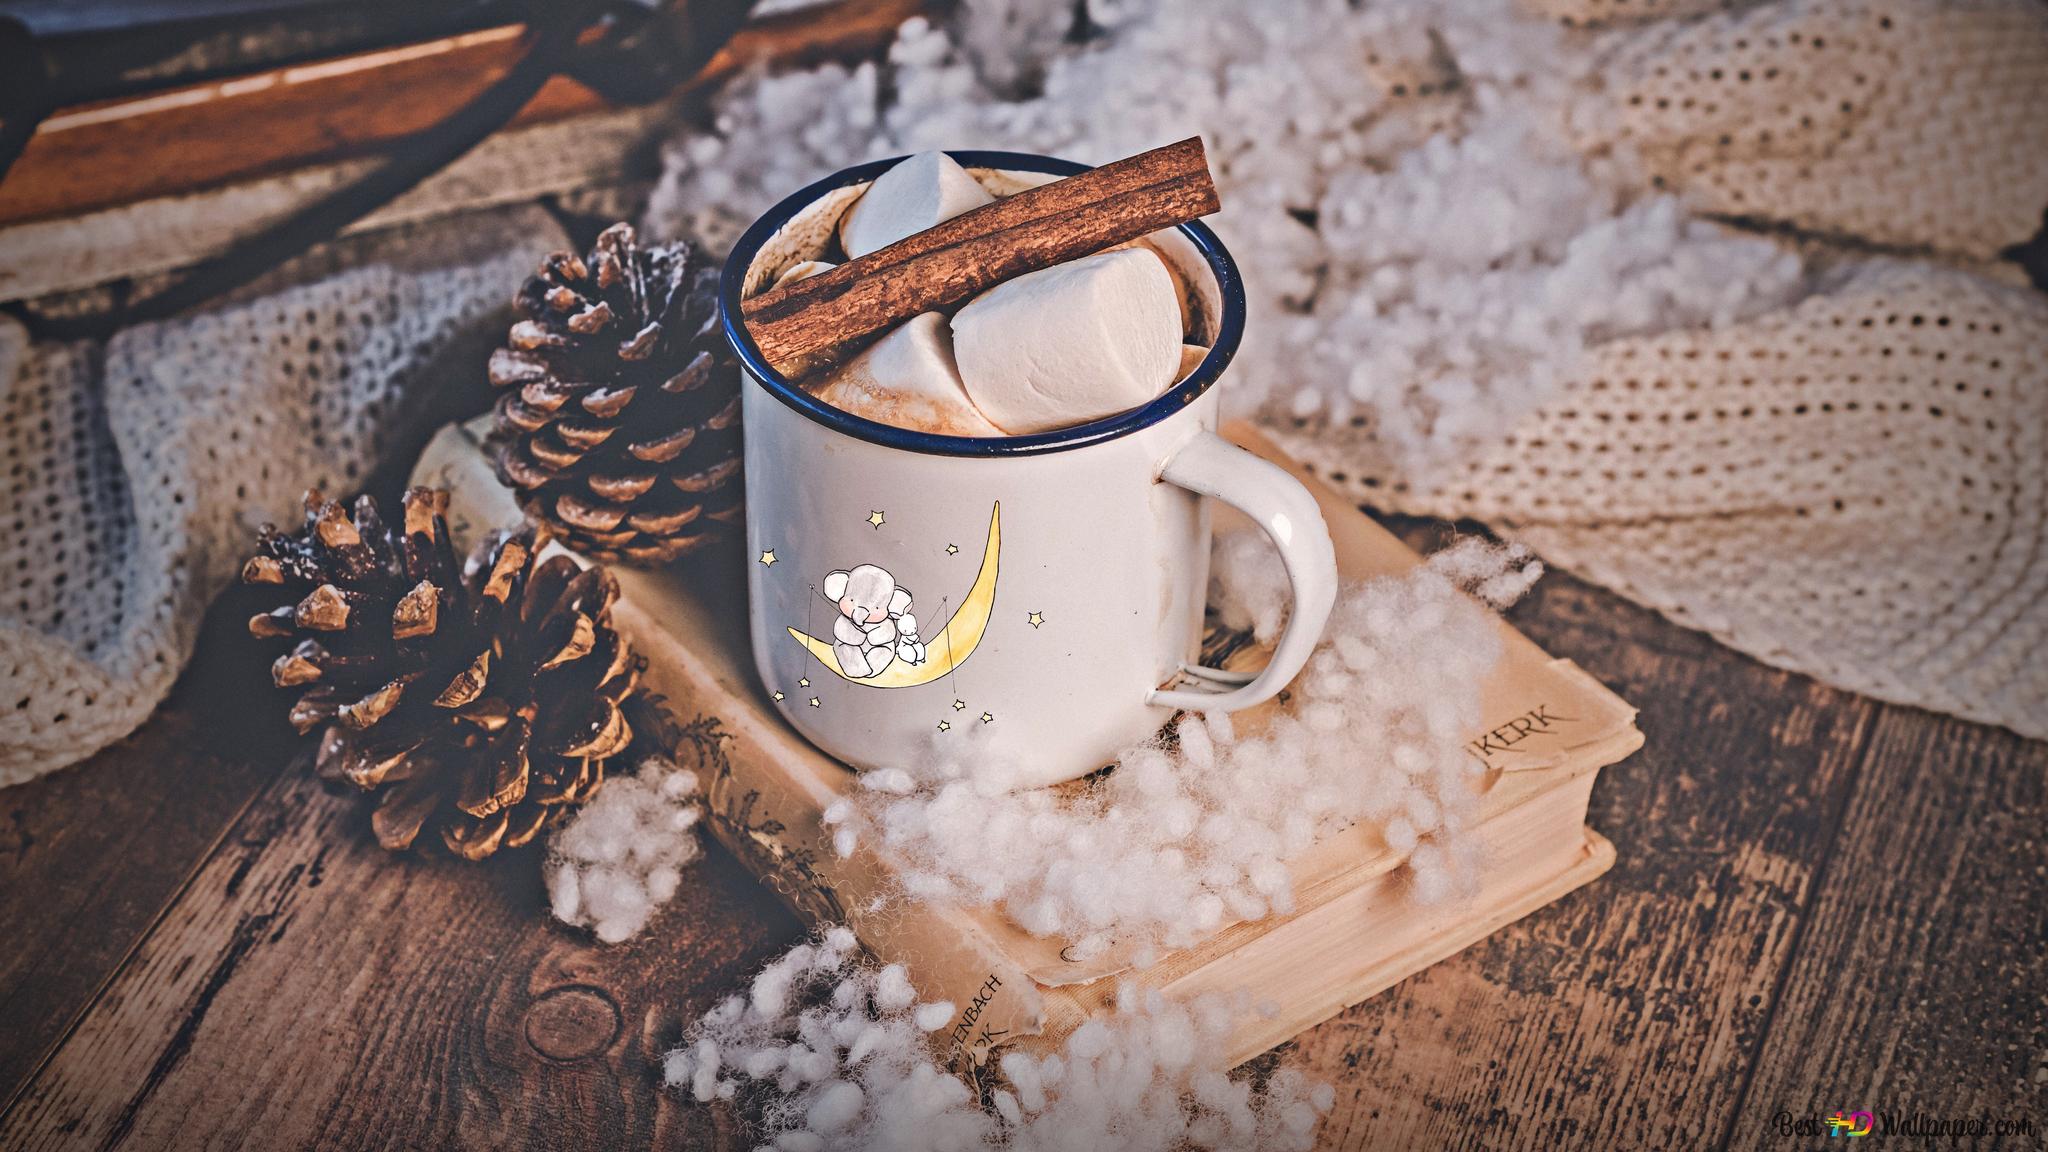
{"x": 1549, "y": 729}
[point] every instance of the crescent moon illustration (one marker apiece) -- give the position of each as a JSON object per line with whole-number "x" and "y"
{"x": 953, "y": 644}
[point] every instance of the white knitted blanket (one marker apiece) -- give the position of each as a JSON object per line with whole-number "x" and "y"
{"x": 133, "y": 475}
{"x": 1703, "y": 306}
{"x": 1855, "y": 487}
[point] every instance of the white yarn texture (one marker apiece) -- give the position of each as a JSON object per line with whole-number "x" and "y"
{"x": 1891, "y": 122}
{"x": 132, "y": 475}
{"x": 1445, "y": 248}
{"x": 1855, "y": 488}
{"x": 827, "y": 1052}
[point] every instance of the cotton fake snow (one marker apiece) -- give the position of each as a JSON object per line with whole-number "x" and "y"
{"x": 1192, "y": 832}
{"x": 621, "y": 857}
{"x": 814, "y": 1059}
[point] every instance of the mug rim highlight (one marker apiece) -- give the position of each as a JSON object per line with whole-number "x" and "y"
{"x": 1230, "y": 328}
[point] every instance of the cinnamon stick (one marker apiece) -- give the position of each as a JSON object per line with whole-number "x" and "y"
{"x": 799, "y": 324}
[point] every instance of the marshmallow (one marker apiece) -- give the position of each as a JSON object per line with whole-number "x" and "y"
{"x": 921, "y": 191}
{"x": 804, "y": 271}
{"x": 908, "y": 379}
{"x": 1180, "y": 285}
{"x": 1071, "y": 343}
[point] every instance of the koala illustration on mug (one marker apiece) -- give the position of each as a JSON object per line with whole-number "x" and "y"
{"x": 875, "y": 627}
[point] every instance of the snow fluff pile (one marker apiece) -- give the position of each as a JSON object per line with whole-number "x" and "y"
{"x": 1191, "y": 832}
{"x": 1464, "y": 285}
{"x": 827, "y": 1052}
{"x": 1427, "y": 254}
{"x": 621, "y": 857}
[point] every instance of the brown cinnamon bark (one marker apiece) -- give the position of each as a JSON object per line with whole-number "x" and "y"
{"x": 806, "y": 322}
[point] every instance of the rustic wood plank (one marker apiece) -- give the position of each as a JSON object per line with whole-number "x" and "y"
{"x": 1921, "y": 979}
{"x": 308, "y": 989}
{"x": 89, "y": 856}
{"x": 117, "y": 152}
{"x": 205, "y": 135}
{"x": 1626, "y": 1015}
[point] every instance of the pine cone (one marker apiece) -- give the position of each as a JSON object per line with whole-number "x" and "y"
{"x": 619, "y": 426}
{"x": 482, "y": 700}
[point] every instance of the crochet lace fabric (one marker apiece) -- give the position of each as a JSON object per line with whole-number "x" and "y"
{"x": 133, "y": 474}
{"x": 1892, "y": 122}
{"x": 1855, "y": 487}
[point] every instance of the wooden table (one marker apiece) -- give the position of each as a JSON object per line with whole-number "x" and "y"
{"x": 1821, "y": 903}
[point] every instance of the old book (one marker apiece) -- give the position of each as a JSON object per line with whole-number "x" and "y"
{"x": 1550, "y": 728}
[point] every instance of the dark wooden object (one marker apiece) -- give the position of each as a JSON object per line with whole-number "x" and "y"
{"x": 204, "y": 135}
{"x": 1821, "y": 903}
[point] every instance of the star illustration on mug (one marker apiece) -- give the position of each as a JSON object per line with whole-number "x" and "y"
{"x": 768, "y": 558}
{"x": 876, "y": 518}
{"x": 777, "y": 695}
{"x": 1035, "y": 619}
{"x": 814, "y": 702}
{"x": 952, "y": 549}
{"x": 945, "y": 725}
{"x": 959, "y": 705}
{"x": 988, "y": 718}
{"x": 804, "y": 682}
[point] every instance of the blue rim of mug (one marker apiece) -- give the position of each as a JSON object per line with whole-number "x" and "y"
{"x": 1230, "y": 329}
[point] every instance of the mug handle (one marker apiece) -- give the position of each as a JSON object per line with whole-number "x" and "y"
{"x": 1212, "y": 466}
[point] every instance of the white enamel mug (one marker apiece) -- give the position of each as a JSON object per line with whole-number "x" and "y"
{"x": 1040, "y": 595}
